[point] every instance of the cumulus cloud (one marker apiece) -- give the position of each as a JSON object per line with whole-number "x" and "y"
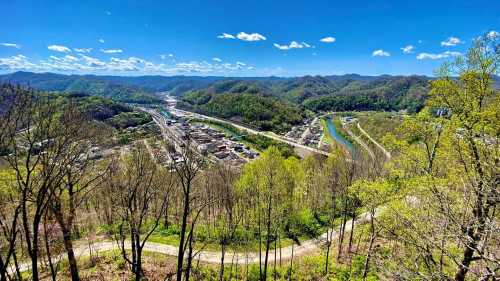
{"x": 250, "y": 37}
{"x": 328, "y": 39}
{"x": 82, "y": 50}
{"x": 59, "y": 48}
{"x": 16, "y": 63}
{"x": 451, "y": 41}
{"x": 292, "y": 45}
{"x": 447, "y": 54}
{"x": 83, "y": 63}
{"x": 101, "y": 40}
{"x": 243, "y": 36}
{"x": 493, "y": 35}
{"x": 408, "y": 49}
{"x": 70, "y": 58}
{"x": 93, "y": 62}
{"x": 226, "y": 36}
{"x": 112, "y": 51}
{"x": 380, "y": 53}
{"x": 217, "y": 59}
{"x": 11, "y": 45}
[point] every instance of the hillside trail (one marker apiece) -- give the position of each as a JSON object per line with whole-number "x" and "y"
{"x": 307, "y": 247}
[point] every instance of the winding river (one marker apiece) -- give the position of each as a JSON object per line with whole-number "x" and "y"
{"x": 334, "y": 134}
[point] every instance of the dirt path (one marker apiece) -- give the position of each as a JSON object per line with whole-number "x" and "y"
{"x": 305, "y": 248}
{"x": 387, "y": 154}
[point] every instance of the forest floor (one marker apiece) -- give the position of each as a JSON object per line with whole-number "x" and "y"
{"x": 212, "y": 257}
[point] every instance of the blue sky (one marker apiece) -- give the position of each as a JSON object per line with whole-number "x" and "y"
{"x": 239, "y": 38}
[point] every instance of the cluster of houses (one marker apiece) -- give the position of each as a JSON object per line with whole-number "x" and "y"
{"x": 213, "y": 142}
{"x": 313, "y": 136}
{"x": 309, "y": 134}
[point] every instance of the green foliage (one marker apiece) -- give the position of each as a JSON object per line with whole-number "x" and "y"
{"x": 263, "y": 112}
{"x": 305, "y": 222}
{"x": 346, "y": 103}
{"x": 89, "y": 84}
{"x": 130, "y": 119}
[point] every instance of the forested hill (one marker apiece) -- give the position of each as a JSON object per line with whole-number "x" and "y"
{"x": 87, "y": 84}
{"x": 337, "y": 92}
{"x": 110, "y": 112}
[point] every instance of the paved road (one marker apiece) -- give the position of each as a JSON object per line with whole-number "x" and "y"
{"x": 252, "y": 131}
{"x": 387, "y": 154}
{"x": 305, "y": 248}
{"x": 359, "y": 141}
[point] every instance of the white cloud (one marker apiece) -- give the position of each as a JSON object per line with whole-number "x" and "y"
{"x": 101, "y": 40}
{"x": 380, "y": 53}
{"x": 451, "y": 41}
{"x": 447, "y": 54}
{"x": 217, "y": 59}
{"x": 129, "y": 64}
{"x": 82, "y": 63}
{"x": 250, "y": 37}
{"x": 243, "y": 36}
{"x": 70, "y": 58}
{"x": 493, "y": 35}
{"x": 82, "y": 50}
{"x": 112, "y": 51}
{"x": 226, "y": 36}
{"x": 190, "y": 67}
{"x": 11, "y": 45}
{"x": 328, "y": 39}
{"x": 408, "y": 49}
{"x": 307, "y": 45}
{"x": 59, "y": 48}
{"x": 93, "y": 62}
{"x": 292, "y": 45}
{"x": 17, "y": 62}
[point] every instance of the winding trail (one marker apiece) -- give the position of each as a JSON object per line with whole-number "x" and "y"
{"x": 306, "y": 247}
{"x": 387, "y": 154}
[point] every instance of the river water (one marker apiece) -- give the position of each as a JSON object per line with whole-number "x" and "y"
{"x": 332, "y": 131}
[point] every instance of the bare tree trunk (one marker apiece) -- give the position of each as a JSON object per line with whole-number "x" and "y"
{"x": 370, "y": 247}
{"x": 223, "y": 252}
{"x": 291, "y": 264}
{"x": 268, "y": 237}
{"x": 274, "y": 267}
{"x": 342, "y": 234}
{"x": 329, "y": 237}
{"x": 352, "y": 232}
{"x": 180, "y": 255}
{"x": 53, "y": 272}
{"x": 68, "y": 245}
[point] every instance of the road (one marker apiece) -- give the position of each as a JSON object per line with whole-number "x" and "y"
{"x": 250, "y": 130}
{"x": 359, "y": 141}
{"x": 387, "y": 154}
{"x": 305, "y": 248}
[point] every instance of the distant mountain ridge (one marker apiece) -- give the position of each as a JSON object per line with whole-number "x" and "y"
{"x": 317, "y": 93}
